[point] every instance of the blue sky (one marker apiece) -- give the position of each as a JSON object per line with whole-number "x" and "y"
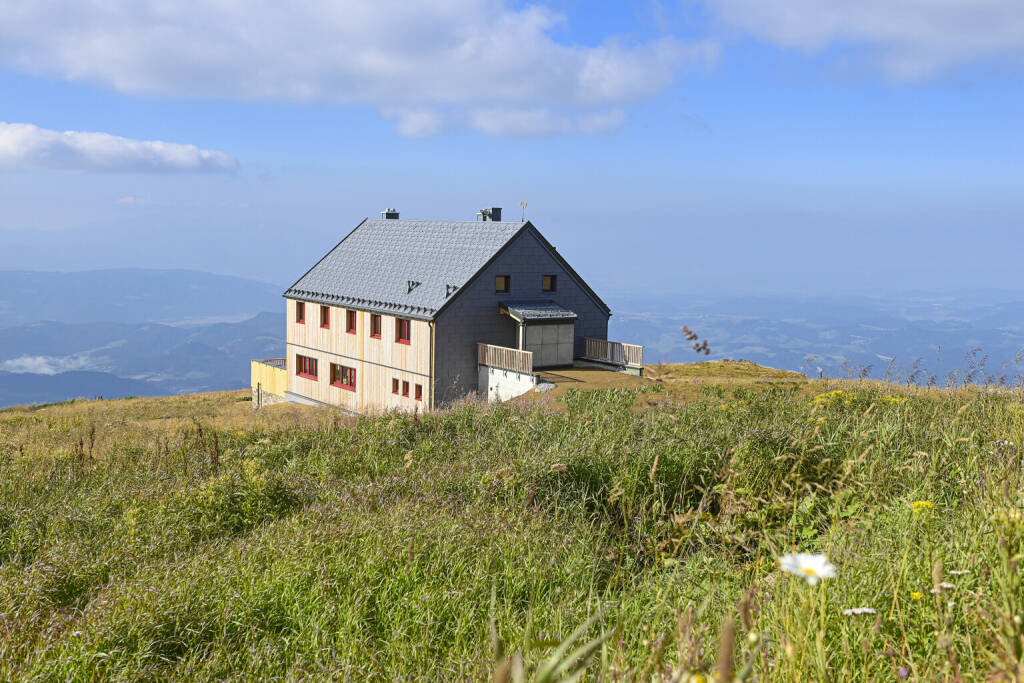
{"x": 818, "y": 146}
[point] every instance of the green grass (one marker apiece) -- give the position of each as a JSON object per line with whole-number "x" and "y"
{"x": 302, "y": 545}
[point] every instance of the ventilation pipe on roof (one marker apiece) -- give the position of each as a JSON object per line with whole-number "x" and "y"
{"x": 491, "y": 214}
{"x": 389, "y": 213}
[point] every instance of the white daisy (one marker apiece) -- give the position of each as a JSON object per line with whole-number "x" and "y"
{"x": 811, "y": 567}
{"x": 854, "y": 611}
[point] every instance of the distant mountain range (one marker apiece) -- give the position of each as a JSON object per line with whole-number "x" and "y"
{"x": 132, "y": 332}
{"x": 917, "y": 336}
{"x": 150, "y": 359}
{"x": 132, "y": 295}
{"x": 135, "y": 332}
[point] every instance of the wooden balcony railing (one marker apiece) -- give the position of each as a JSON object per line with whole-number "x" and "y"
{"x": 631, "y": 355}
{"x": 504, "y": 358}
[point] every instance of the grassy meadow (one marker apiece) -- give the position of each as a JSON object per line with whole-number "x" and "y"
{"x": 633, "y": 530}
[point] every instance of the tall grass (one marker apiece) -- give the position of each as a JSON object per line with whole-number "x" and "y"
{"x": 476, "y": 540}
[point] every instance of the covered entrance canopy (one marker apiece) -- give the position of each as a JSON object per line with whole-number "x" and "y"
{"x": 545, "y": 328}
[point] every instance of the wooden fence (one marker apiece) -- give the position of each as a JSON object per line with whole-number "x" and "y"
{"x": 504, "y": 358}
{"x": 615, "y": 352}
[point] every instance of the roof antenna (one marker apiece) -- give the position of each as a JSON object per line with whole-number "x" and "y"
{"x": 522, "y": 205}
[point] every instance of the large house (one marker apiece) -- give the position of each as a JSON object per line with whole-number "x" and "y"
{"x": 404, "y": 314}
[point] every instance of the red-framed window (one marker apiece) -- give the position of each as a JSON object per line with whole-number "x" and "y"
{"x": 502, "y": 284}
{"x": 325, "y": 317}
{"x": 419, "y": 392}
{"x": 343, "y": 376}
{"x": 405, "y": 389}
{"x": 548, "y": 283}
{"x": 300, "y": 311}
{"x": 350, "y": 322}
{"x": 402, "y": 332}
{"x": 375, "y": 325}
{"x": 305, "y": 366}
{"x": 394, "y": 386}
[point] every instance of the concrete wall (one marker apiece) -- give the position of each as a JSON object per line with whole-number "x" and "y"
{"x": 473, "y": 316}
{"x": 501, "y": 385}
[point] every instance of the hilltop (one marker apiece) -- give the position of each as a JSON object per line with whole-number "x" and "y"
{"x": 193, "y": 537}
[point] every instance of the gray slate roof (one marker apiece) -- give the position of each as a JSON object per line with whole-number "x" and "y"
{"x": 525, "y": 311}
{"x": 377, "y": 264}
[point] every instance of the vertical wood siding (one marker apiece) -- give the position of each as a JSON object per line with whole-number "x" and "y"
{"x": 376, "y": 361}
{"x": 268, "y": 378}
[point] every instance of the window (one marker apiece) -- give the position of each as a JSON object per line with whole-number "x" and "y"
{"x": 502, "y": 283}
{"x": 375, "y": 326}
{"x": 305, "y": 367}
{"x": 402, "y": 332}
{"x": 350, "y": 322}
{"x": 325, "y": 317}
{"x": 343, "y": 376}
{"x": 394, "y": 386}
{"x": 405, "y": 389}
{"x": 419, "y": 392}
{"x": 300, "y": 311}
{"x": 547, "y": 283}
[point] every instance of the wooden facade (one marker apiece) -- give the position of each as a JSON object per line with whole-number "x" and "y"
{"x": 268, "y": 376}
{"x": 378, "y": 361}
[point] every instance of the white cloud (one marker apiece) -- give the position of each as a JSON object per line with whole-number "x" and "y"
{"x": 130, "y": 201}
{"x": 418, "y": 123}
{"x": 24, "y": 146}
{"x": 46, "y": 365}
{"x": 907, "y": 39}
{"x": 432, "y": 59}
{"x": 540, "y": 121}
{"x": 519, "y": 122}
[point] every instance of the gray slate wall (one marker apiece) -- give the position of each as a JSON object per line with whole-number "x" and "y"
{"x": 473, "y": 316}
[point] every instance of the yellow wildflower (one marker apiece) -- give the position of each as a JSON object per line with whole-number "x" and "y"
{"x": 921, "y": 505}
{"x": 894, "y": 399}
{"x": 830, "y": 397}
{"x": 916, "y": 595}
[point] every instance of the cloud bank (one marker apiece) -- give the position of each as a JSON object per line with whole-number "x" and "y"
{"x": 24, "y": 146}
{"x": 428, "y": 64}
{"x": 907, "y": 39}
{"x": 47, "y": 365}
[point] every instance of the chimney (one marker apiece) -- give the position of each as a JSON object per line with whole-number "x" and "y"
{"x": 390, "y": 214}
{"x": 491, "y": 214}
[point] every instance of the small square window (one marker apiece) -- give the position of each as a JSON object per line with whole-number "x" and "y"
{"x": 502, "y": 284}
{"x": 350, "y": 322}
{"x": 419, "y": 392}
{"x": 547, "y": 283}
{"x": 402, "y": 333}
{"x": 405, "y": 389}
{"x": 300, "y": 311}
{"x": 325, "y": 317}
{"x": 394, "y": 386}
{"x": 375, "y": 326}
